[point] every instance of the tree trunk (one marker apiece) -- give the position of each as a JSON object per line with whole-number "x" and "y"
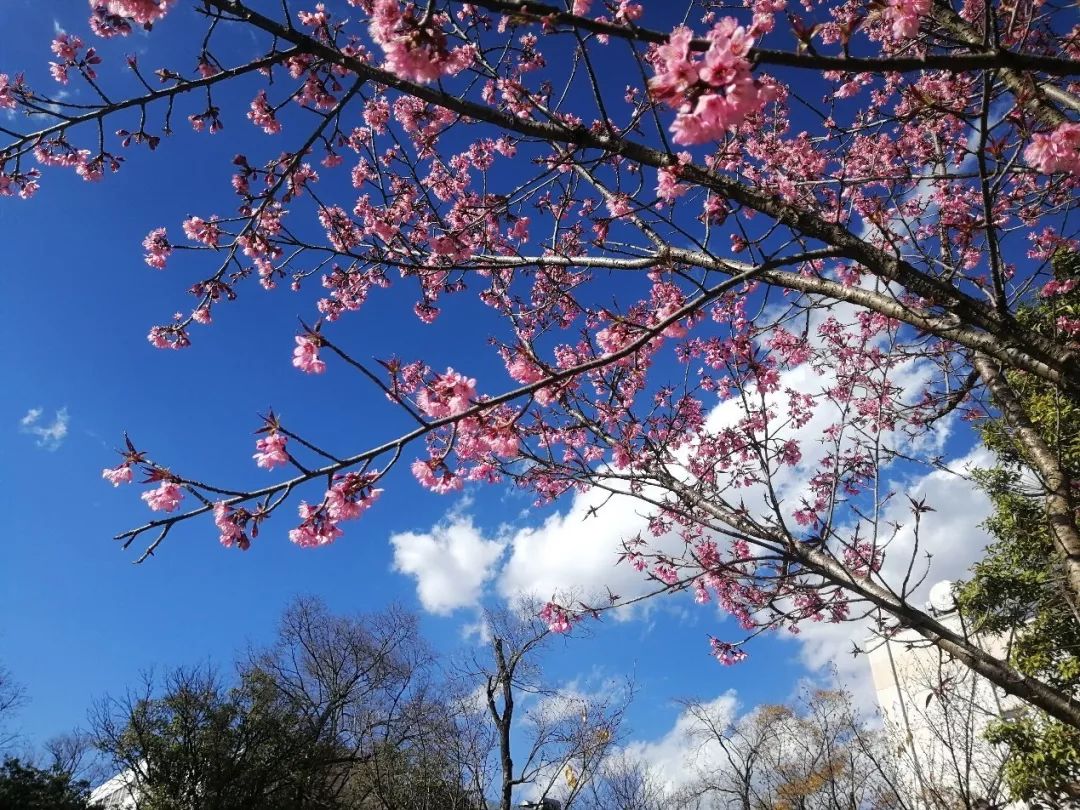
{"x": 1060, "y": 509}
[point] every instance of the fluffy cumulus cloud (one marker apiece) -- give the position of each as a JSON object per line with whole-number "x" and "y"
{"x": 577, "y": 551}
{"x": 450, "y": 563}
{"x": 48, "y": 435}
{"x": 572, "y": 554}
{"x": 676, "y": 757}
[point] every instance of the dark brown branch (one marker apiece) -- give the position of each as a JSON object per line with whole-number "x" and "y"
{"x": 1050, "y": 361}
{"x": 985, "y": 60}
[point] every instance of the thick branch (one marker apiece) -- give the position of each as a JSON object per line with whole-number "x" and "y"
{"x": 980, "y": 60}
{"x": 1054, "y": 363}
{"x": 1060, "y": 509}
{"x": 1054, "y": 702}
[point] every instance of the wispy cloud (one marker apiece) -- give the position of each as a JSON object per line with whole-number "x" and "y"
{"x": 48, "y": 436}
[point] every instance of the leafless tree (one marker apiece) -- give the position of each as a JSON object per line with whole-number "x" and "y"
{"x": 567, "y": 735}
{"x": 340, "y": 711}
{"x": 12, "y": 696}
{"x": 626, "y": 783}
{"x": 816, "y": 754}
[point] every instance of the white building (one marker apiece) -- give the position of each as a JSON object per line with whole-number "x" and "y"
{"x": 116, "y": 794}
{"x": 937, "y": 711}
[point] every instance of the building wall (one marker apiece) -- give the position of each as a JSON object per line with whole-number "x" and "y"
{"x": 936, "y": 712}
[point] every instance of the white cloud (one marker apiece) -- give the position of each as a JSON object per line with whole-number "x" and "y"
{"x": 951, "y": 535}
{"x": 577, "y": 551}
{"x": 48, "y": 436}
{"x": 450, "y": 563}
{"x": 675, "y": 758}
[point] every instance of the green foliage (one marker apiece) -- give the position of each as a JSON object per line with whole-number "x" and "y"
{"x": 338, "y": 713}
{"x": 1044, "y": 756}
{"x": 25, "y": 787}
{"x": 201, "y": 745}
{"x": 1017, "y": 589}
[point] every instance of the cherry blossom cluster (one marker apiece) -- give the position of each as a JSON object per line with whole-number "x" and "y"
{"x": 712, "y": 94}
{"x": 110, "y": 18}
{"x": 232, "y": 526}
{"x": 270, "y": 451}
{"x": 1056, "y": 151}
{"x": 414, "y": 48}
{"x": 306, "y": 354}
{"x": 727, "y": 654}
{"x": 905, "y": 16}
{"x": 67, "y": 47}
{"x": 557, "y": 619}
{"x": 349, "y": 497}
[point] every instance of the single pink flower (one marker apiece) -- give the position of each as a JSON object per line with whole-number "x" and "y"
{"x": 306, "y": 355}
{"x": 117, "y": 475}
{"x": 165, "y": 498}
{"x": 271, "y": 451}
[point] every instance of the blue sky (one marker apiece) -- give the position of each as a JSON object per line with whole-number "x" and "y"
{"x": 76, "y": 302}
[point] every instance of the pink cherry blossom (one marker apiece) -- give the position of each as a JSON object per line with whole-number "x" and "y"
{"x": 520, "y": 231}
{"x": 67, "y": 47}
{"x": 262, "y": 114}
{"x": 727, "y": 654}
{"x": 350, "y": 496}
{"x": 414, "y": 52}
{"x": 158, "y": 248}
{"x": 1055, "y": 151}
{"x": 447, "y": 395}
{"x": 306, "y": 355}
{"x": 168, "y": 337}
{"x": 862, "y": 559}
{"x": 270, "y": 451}
{"x": 7, "y": 96}
{"x": 231, "y": 531}
{"x": 557, "y": 619}
{"x": 107, "y": 25}
{"x": 117, "y": 475}
{"x": 668, "y": 187}
{"x": 144, "y": 12}
{"x": 712, "y": 94}
{"x": 436, "y": 476}
{"x": 1056, "y": 287}
{"x": 317, "y": 528}
{"x": 165, "y": 498}
{"x": 905, "y": 16}
{"x": 666, "y": 574}
{"x": 199, "y": 230}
